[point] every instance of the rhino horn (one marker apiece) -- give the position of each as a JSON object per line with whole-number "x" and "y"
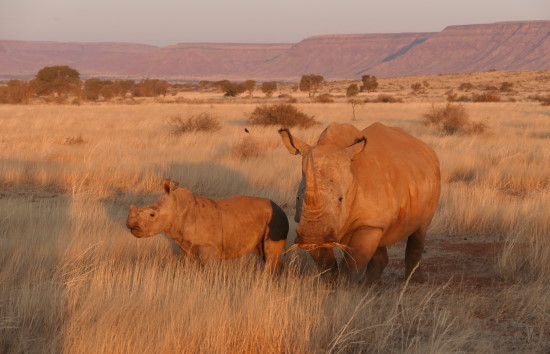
{"x": 312, "y": 193}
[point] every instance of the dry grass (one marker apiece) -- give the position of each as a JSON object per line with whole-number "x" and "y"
{"x": 73, "y": 279}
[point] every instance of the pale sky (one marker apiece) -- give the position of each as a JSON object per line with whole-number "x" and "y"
{"x": 164, "y": 22}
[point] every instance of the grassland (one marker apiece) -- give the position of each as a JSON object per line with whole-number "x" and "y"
{"x": 73, "y": 279}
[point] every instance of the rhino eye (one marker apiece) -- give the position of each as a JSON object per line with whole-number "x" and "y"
{"x": 297, "y": 197}
{"x": 152, "y": 214}
{"x": 340, "y": 199}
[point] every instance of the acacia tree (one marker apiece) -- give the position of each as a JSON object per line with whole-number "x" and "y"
{"x": 369, "y": 83}
{"x": 268, "y": 88}
{"x": 249, "y": 85}
{"x": 57, "y": 80}
{"x": 311, "y": 83}
{"x": 352, "y": 90}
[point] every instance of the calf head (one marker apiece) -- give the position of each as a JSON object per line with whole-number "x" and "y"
{"x": 155, "y": 218}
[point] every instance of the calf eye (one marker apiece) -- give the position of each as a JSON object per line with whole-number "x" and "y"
{"x": 340, "y": 199}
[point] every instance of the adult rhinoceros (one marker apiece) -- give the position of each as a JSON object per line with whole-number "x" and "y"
{"x": 364, "y": 196}
{"x": 207, "y": 229}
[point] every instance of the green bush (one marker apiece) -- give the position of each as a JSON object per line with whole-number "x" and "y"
{"x": 282, "y": 114}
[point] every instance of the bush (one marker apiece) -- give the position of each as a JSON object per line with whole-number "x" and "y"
{"x": 324, "y": 98}
{"x": 506, "y": 86}
{"x": 486, "y": 97}
{"x": 465, "y": 86}
{"x": 201, "y": 122}
{"x": 452, "y": 119}
{"x": 384, "y": 98}
{"x": 282, "y": 114}
{"x": 246, "y": 148}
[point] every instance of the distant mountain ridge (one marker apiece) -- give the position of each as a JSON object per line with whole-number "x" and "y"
{"x": 521, "y": 45}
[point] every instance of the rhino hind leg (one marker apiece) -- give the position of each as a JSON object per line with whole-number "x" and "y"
{"x": 413, "y": 254}
{"x": 376, "y": 266}
{"x": 272, "y": 254}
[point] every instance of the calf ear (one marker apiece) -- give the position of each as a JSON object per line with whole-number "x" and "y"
{"x": 174, "y": 186}
{"x": 356, "y": 147}
{"x": 166, "y": 186}
{"x": 294, "y": 145}
{"x": 133, "y": 209}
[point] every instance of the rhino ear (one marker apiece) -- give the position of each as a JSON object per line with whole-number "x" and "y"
{"x": 174, "y": 186}
{"x": 294, "y": 145}
{"x": 166, "y": 186}
{"x": 357, "y": 146}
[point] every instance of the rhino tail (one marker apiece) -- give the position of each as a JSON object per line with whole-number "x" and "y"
{"x": 278, "y": 226}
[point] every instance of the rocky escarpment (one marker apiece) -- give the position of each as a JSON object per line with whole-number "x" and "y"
{"x": 457, "y": 49}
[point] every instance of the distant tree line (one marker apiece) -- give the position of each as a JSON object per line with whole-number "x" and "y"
{"x": 63, "y": 81}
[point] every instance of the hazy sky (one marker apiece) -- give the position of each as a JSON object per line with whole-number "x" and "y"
{"x": 162, "y": 22}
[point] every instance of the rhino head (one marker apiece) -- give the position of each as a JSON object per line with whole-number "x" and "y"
{"x": 155, "y": 218}
{"x": 325, "y": 193}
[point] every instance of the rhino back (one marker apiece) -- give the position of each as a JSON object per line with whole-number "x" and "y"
{"x": 398, "y": 180}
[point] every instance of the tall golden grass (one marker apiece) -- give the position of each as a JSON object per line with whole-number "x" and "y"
{"x": 73, "y": 279}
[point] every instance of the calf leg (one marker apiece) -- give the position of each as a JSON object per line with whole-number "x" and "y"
{"x": 272, "y": 255}
{"x": 376, "y": 266}
{"x": 413, "y": 254}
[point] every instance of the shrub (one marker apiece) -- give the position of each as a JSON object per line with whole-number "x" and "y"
{"x": 282, "y": 114}
{"x": 465, "y": 86}
{"x": 384, "y": 98}
{"x": 486, "y": 97}
{"x": 506, "y": 86}
{"x": 324, "y": 98}
{"x": 452, "y": 119}
{"x": 544, "y": 100}
{"x": 416, "y": 87}
{"x": 246, "y": 148}
{"x": 201, "y": 122}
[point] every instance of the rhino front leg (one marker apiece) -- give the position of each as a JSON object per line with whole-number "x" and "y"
{"x": 413, "y": 254}
{"x": 324, "y": 259}
{"x": 363, "y": 245}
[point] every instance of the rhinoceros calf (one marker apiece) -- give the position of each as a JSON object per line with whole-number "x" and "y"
{"x": 207, "y": 229}
{"x": 365, "y": 196}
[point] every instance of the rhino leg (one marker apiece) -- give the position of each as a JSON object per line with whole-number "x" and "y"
{"x": 376, "y": 266}
{"x": 324, "y": 258}
{"x": 413, "y": 254}
{"x": 272, "y": 255}
{"x": 362, "y": 246}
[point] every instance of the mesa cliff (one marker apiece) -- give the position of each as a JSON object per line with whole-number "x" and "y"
{"x": 521, "y": 45}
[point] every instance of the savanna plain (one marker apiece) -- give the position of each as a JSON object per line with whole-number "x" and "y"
{"x": 74, "y": 280}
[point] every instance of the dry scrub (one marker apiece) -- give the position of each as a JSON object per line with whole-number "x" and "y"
{"x": 73, "y": 279}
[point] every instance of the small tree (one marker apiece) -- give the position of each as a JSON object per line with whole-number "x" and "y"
{"x": 354, "y": 103}
{"x": 311, "y": 83}
{"x": 369, "y": 83}
{"x": 249, "y": 85}
{"x": 352, "y": 91}
{"x": 268, "y": 88}
{"x": 57, "y": 80}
